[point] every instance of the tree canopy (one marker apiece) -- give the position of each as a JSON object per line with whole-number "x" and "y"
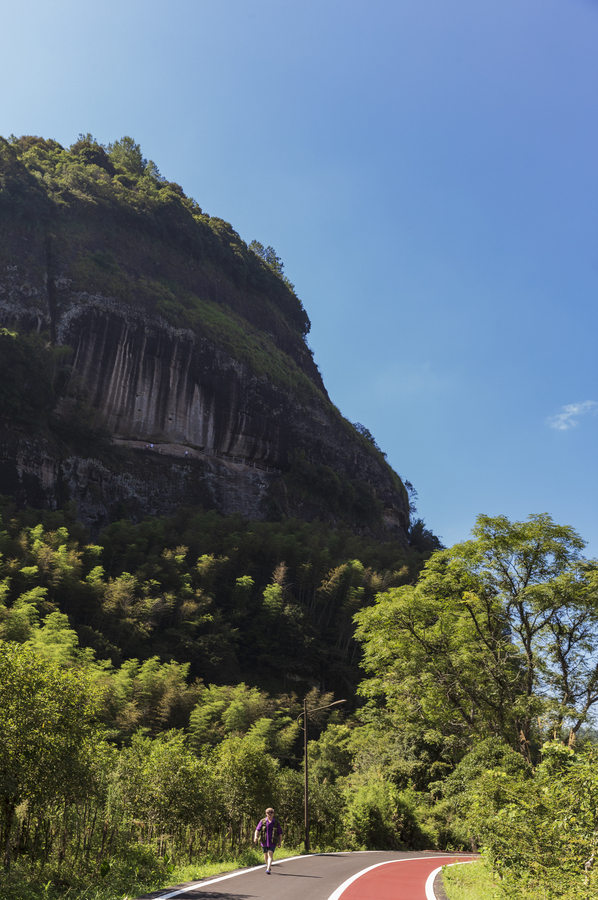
{"x": 495, "y": 638}
{"x": 47, "y": 717}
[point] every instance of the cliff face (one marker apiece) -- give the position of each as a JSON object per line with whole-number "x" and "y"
{"x": 142, "y": 482}
{"x": 156, "y": 384}
{"x": 198, "y": 364}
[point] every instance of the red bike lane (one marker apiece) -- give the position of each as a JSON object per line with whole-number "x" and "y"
{"x": 401, "y": 879}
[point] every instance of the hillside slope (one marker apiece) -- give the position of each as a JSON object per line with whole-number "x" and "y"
{"x": 174, "y": 333}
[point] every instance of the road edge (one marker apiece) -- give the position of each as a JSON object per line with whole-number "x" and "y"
{"x": 438, "y": 888}
{"x": 434, "y": 883}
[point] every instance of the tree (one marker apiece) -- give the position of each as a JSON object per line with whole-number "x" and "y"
{"x": 268, "y": 254}
{"x": 496, "y": 638}
{"x": 331, "y": 757}
{"x": 539, "y": 829}
{"x": 127, "y": 155}
{"x": 47, "y": 730}
{"x": 422, "y": 539}
{"x": 246, "y": 773}
{"x": 239, "y": 710}
{"x": 367, "y": 434}
{"x": 162, "y": 782}
{"x": 90, "y": 152}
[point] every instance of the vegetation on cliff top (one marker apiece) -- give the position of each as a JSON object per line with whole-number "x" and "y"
{"x": 137, "y": 216}
{"x": 102, "y": 220}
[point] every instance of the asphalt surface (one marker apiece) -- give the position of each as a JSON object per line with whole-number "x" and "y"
{"x": 325, "y": 876}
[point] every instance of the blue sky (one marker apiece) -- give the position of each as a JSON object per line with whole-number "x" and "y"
{"x": 426, "y": 170}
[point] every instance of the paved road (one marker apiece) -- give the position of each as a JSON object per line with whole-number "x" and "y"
{"x": 377, "y": 875}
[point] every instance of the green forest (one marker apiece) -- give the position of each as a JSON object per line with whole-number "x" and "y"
{"x": 153, "y": 685}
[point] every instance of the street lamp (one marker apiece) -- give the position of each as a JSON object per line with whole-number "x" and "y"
{"x": 305, "y": 711}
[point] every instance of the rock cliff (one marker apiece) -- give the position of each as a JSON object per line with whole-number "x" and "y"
{"x": 179, "y": 336}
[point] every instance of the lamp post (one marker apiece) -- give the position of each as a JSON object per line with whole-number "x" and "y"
{"x": 305, "y": 711}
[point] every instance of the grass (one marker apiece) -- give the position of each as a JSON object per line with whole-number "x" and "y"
{"x": 471, "y": 881}
{"x": 476, "y": 881}
{"x": 141, "y": 873}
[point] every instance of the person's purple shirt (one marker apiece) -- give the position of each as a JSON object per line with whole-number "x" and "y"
{"x": 271, "y": 841}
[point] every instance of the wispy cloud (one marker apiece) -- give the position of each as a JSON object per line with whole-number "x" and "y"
{"x": 567, "y": 419}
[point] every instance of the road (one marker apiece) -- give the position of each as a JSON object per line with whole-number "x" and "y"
{"x": 377, "y": 875}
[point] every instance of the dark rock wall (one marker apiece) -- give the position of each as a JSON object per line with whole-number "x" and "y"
{"x": 142, "y": 484}
{"x": 156, "y": 383}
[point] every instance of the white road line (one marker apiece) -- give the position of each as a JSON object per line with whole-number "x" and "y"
{"x": 196, "y": 884}
{"x": 343, "y": 887}
{"x": 430, "y": 895}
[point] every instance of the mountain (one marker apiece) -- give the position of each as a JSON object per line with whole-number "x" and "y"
{"x": 150, "y": 358}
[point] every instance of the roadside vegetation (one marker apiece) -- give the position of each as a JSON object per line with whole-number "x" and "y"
{"x": 471, "y": 881}
{"x": 142, "y": 737}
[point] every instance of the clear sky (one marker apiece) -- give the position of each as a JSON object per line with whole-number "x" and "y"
{"x": 426, "y": 170}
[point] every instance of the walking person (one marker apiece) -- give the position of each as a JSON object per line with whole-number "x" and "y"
{"x": 269, "y": 832}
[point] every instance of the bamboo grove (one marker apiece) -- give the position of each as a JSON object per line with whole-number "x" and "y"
{"x": 153, "y": 683}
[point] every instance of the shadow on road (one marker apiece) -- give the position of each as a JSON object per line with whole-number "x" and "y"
{"x": 196, "y": 893}
{"x": 293, "y": 875}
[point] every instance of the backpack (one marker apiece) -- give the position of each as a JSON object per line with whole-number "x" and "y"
{"x": 275, "y": 833}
